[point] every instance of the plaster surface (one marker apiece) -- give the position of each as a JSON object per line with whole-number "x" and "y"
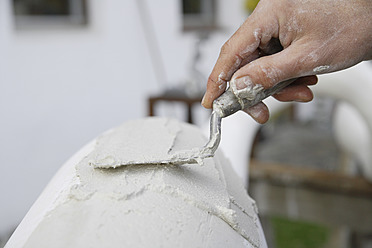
{"x": 142, "y": 205}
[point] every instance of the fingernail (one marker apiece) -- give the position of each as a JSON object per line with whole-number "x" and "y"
{"x": 203, "y": 100}
{"x": 242, "y": 82}
{"x": 244, "y": 88}
{"x": 304, "y": 97}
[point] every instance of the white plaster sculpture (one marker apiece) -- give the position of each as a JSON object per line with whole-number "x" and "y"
{"x": 353, "y": 126}
{"x": 237, "y": 136}
{"x": 142, "y": 206}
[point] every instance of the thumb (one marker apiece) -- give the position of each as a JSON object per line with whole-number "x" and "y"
{"x": 267, "y": 71}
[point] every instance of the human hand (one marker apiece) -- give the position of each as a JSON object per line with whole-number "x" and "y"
{"x": 285, "y": 39}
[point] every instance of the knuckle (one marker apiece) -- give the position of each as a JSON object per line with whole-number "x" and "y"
{"x": 211, "y": 80}
{"x": 267, "y": 75}
{"x": 226, "y": 48}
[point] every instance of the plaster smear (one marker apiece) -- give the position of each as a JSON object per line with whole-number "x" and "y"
{"x": 150, "y": 205}
{"x": 243, "y": 88}
{"x": 321, "y": 69}
{"x": 137, "y": 142}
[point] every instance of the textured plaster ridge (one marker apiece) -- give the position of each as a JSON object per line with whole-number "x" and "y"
{"x": 222, "y": 211}
{"x": 134, "y": 198}
{"x": 174, "y": 130}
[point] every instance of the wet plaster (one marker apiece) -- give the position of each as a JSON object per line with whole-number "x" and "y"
{"x": 150, "y": 205}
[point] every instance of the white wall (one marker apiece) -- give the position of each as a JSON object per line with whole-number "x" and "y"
{"x": 61, "y": 88}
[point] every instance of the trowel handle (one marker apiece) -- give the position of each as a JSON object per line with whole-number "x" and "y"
{"x": 228, "y": 103}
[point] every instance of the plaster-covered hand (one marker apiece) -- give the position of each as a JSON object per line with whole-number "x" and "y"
{"x": 285, "y": 39}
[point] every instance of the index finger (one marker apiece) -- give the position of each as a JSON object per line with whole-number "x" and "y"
{"x": 239, "y": 50}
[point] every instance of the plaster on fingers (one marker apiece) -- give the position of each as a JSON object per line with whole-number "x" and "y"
{"x": 270, "y": 70}
{"x": 238, "y": 51}
{"x": 258, "y": 72}
{"x": 216, "y": 85}
{"x": 244, "y": 88}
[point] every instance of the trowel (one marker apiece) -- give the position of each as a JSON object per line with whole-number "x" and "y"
{"x": 225, "y": 105}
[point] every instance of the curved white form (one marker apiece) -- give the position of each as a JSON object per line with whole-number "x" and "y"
{"x": 354, "y": 129}
{"x": 142, "y": 206}
{"x": 237, "y": 135}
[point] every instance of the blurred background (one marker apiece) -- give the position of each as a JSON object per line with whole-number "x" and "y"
{"x": 72, "y": 69}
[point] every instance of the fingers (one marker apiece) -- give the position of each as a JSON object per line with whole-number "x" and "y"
{"x": 308, "y": 80}
{"x": 269, "y": 70}
{"x": 226, "y": 65}
{"x": 265, "y": 72}
{"x": 259, "y": 112}
{"x": 239, "y": 50}
{"x": 298, "y": 91}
